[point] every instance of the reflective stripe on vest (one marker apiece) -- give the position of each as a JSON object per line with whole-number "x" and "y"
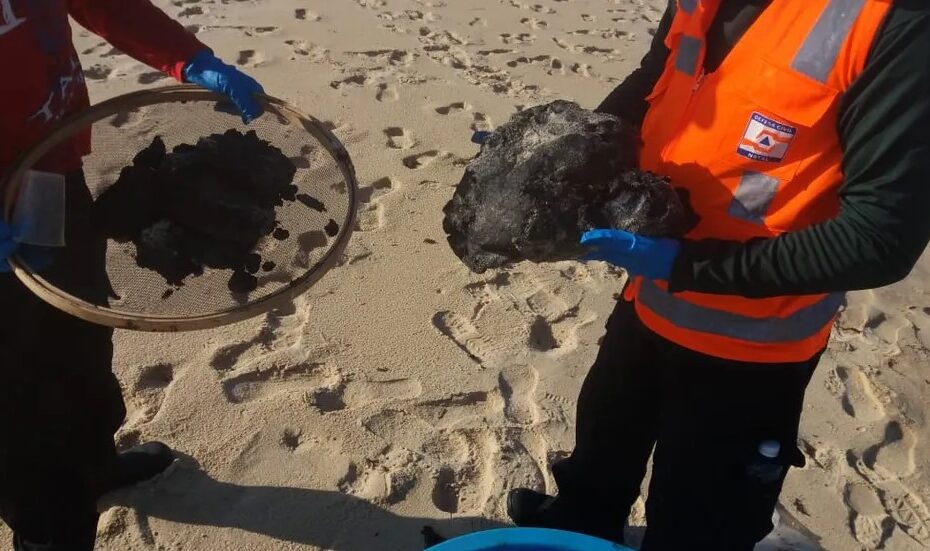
{"x": 798, "y": 326}
{"x": 818, "y": 54}
{"x": 687, "y": 6}
{"x": 689, "y": 52}
{"x": 753, "y": 197}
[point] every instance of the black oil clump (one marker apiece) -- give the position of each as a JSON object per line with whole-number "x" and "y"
{"x": 203, "y": 205}
{"x": 547, "y": 176}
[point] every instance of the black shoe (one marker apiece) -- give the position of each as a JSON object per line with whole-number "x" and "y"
{"x": 529, "y": 509}
{"x": 141, "y": 463}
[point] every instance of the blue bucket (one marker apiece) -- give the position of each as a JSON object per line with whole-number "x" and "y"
{"x": 527, "y": 539}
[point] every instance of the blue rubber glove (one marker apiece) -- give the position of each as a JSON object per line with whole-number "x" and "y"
{"x": 37, "y": 258}
{"x": 206, "y": 70}
{"x": 481, "y": 136}
{"x": 650, "y": 257}
{"x": 7, "y": 246}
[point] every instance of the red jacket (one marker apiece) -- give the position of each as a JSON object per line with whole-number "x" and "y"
{"x": 42, "y": 80}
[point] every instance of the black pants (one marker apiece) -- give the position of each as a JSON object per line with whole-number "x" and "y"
{"x": 59, "y": 401}
{"x": 705, "y": 417}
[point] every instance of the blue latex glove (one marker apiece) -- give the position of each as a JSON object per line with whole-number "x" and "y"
{"x": 481, "y": 136}
{"x": 650, "y": 257}
{"x": 7, "y": 246}
{"x": 206, "y": 70}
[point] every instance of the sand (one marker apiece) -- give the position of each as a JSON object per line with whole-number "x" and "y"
{"x": 402, "y": 390}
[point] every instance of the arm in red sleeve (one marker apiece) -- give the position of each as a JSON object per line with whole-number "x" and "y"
{"x": 141, "y": 30}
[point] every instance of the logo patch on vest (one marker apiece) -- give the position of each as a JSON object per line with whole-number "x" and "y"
{"x": 766, "y": 140}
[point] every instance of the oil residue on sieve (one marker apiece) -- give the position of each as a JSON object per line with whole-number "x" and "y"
{"x": 242, "y": 282}
{"x": 308, "y": 242}
{"x": 311, "y": 202}
{"x": 332, "y": 229}
{"x": 202, "y": 205}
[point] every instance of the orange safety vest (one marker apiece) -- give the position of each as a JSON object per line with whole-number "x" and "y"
{"x": 756, "y": 145}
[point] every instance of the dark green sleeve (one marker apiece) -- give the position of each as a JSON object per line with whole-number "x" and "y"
{"x": 628, "y": 100}
{"x": 884, "y": 222}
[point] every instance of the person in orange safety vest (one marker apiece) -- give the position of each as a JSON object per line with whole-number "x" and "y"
{"x": 801, "y": 130}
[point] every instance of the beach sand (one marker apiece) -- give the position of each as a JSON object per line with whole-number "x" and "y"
{"x": 403, "y": 391}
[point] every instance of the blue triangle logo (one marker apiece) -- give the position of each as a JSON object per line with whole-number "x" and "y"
{"x": 766, "y": 141}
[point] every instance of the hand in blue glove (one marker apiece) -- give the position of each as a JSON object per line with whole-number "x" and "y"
{"x": 35, "y": 257}
{"x": 207, "y": 70}
{"x": 7, "y": 246}
{"x": 481, "y": 136}
{"x": 650, "y": 257}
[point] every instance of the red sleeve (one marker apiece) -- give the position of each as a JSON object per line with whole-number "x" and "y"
{"x": 139, "y": 29}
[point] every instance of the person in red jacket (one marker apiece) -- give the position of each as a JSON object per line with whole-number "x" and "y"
{"x": 60, "y": 404}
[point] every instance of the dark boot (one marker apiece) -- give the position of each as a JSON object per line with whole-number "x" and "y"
{"x": 85, "y": 544}
{"x": 140, "y": 463}
{"x": 530, "y": 509}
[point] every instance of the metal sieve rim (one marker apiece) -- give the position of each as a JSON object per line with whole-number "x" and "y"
{"x": 137, "y": 322}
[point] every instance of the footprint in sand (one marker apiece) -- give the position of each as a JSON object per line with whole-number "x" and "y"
{"x": 465, "y": 483}
{"x": 541, "y": 337}
{"x": 423, "y": 160}
{"x": 371, "y": 215}
{"x": 341, "y": 396}
{"x": 291, "y": 439}
{"x": 378, "y": 189}
{"x": 258, "y": 31}
{"x": 884, "y": 465}
{"x": 521, "y": 39}
{"x": 399, "y": 138}
{"x": 275, "y": 382}
{"x": 552, "y": 65}
{"x": 458, "y": 409}
{"x": 910, "y": 512}
{"x": 453, "y": 108}
{"x": 370, "y": 218}
{"x": 398, "y": 427}
{"x": 868, "y": 521}
{"x": 495, "y": 51}
{"x": 534, "y": 23}
{"x": 385, "y": 480}
{"x": 466, "y": 336}
{"x": 525, "y": 456}
{"x": 351, "y": 81}
{"x": 397, "y": 58}
{"x": 148, "y": 392}
{"x": 304, "y": 49}
{"x": 387, "y": 93}
{"x": 517, "y": 386}
{"x": 920, "y": 318}
{"x": 482, "y": 123}
{"x": 888, "y": 328}
{"x": 228, "y": 356}
{"x": 582, "y": 69}
{"x": 250, "y": 57}
{"x": 859, "y": 398}
{"x": 98, "y": 72}
{"x": 191, "y": 11}
{"x": 551, "y": 308}
{"x": 151, "y": 77}
{"x": 896, "y": 453}
{"x": 306, "y": 15}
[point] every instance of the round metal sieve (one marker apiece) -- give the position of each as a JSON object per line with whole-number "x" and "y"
{"x": 100, "y": 278}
